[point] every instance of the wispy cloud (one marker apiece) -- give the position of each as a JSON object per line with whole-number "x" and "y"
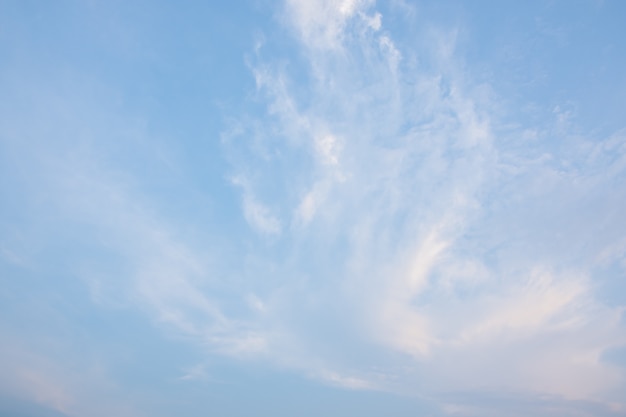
{"x": 425, "y": 214}
{"x": 389, "y": 225}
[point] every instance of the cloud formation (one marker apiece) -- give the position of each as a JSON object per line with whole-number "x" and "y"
{"x": 383, "y": 216}
{"x": 418, "y": 220}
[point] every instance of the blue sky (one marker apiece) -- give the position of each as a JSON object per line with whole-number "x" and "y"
{"x": 312, "y": 208}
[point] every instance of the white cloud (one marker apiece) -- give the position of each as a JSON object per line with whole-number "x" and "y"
{"x": 427, "y": 246}
{"x": 256, "y": 213}
{"x": 142, "y": 260}
{"x": 327, "y": 148}
{"x": 428, "y": 219}
{"x": 195, "y": 373}
{"x": 321, "y": 23}
{"x": 344, "y": 381}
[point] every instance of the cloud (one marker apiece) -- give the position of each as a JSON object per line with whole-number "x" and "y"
{"x": 430, "y": 219}
{"x": 321, "y": 24}
{"x": 141, "y": 260}
{"x": 392, "y": 232}
{"x": 256, "y": 213}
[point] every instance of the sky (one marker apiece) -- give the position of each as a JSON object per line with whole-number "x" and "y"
{"x": 312, "y": 207}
